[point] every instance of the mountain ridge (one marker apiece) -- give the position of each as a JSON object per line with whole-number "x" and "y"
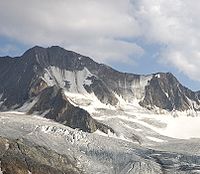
{"x": 25, "y": 79}
{"x": 96, "y": 119}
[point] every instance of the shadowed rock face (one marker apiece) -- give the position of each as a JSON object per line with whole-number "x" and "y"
{"x": 54, "y": 105}
{"x": 100, "y": 89}
{"x": 19, "y": 157}
{"x": 59, "y": 109}
{"x": 167, "y": 93}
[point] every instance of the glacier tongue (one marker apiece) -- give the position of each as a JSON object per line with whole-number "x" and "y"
{"x": 95, "y": 153}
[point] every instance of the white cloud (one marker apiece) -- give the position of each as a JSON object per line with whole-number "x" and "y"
{"x": 175, "y": 25}
{"x": 91, "y": 27}
{"x": 7, "y": 48}
{"x": 100, "y": 28}
{"x": 110, "y": 50}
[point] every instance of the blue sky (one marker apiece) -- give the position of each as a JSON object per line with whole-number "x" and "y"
{"x": 138, "y": 36}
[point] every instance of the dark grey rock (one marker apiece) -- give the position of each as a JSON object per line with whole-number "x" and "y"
{"x": 20, "y": 157}
{"x": 167, "y": 93}
{"x": 53, "y": 100}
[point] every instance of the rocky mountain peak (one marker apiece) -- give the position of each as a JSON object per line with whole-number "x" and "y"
{"x": 56, "y": 56}
{"x": 166, "y": 92}
{"x": 30, "y": 77}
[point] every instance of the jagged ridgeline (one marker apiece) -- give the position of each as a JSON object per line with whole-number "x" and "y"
{"x": 43, "y": 81}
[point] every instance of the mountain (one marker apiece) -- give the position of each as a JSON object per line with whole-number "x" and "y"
{"x": 164, "y": 91}
{"x": 62, "y": 112}
{"x": 44, "y": 81}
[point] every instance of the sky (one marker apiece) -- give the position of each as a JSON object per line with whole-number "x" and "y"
{"x": 137, "y": 36}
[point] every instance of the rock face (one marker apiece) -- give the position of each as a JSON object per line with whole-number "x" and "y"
{"x": 23, "y": 81}
{"x": 19, "y": 157}
{"x": 33, "y": 78}
{"x": 53, "y": 104}
{"x": 57, "y": 107}
{"x": 164, "y": 91}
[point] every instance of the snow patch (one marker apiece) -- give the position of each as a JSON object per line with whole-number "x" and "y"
{"x": 7, "y": 146}
{"x": 167, "y": 94}
{"x": 182, "y": 127}
{"x": 121, "y": 102}
{"x": 138, "y": 86}
{"x": 1, "y": 101}
{"x": 28, "y": 105}
{"x": 138, "y": 130}
{"x": 87, "y": 101}
{"x": 193, "y": 104}
{"x": 87, "y": 82}
{"x": 72, "y": 81}
{"x": 1, "y": 172}
{"x": 157, "y": 75}
{"x": 100, "y": 133}
{"x": 14, "y": 112}
{"x": 155, "y": 139}
{"x": 45, "y": 112}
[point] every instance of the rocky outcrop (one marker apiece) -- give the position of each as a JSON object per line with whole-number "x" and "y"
{"x": 20, "y": 157}
{"x": 102, "y": 92}
{"x": 53, "y": 104}
{"x": 165, "y": 92}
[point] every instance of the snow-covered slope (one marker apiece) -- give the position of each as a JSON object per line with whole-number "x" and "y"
{"x": 133, "y": 123}
{"x": 72, "y": 81}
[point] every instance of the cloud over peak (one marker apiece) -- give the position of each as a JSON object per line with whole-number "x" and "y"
{"x": 107, "y": 30}
{"x": 95, "y": 28}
